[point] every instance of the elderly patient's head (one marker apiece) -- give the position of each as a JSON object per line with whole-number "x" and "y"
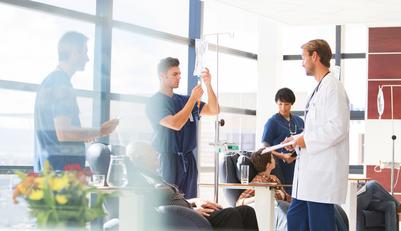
{"x": 143, "y": 154}
{"x": 263, "y": 161}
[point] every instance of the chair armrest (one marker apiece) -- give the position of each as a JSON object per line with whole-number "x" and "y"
{"x": 182, "y": 218}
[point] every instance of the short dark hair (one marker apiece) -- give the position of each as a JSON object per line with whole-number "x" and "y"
{"x": 260, "y": 160}
{"x": 285, "y": 95}
{"x": 322, "y": 48}
{"x": 69, "y": 40}
{"x": 167, "y": 63}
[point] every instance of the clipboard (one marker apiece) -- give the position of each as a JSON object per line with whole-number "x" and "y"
{"x": 278, "y": 146}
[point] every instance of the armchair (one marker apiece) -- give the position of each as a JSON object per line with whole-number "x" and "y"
{"x": 369, "y": 218}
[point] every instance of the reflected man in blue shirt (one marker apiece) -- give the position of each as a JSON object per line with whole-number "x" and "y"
{"x": 59, "y": 137}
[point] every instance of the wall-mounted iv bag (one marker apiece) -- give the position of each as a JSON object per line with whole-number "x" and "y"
{"x": 380, "y": 102}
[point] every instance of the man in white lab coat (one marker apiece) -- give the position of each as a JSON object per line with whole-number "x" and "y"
{"x": 321, "y": 170}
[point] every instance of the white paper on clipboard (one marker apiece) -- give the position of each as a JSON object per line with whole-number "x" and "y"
{"x": 278, "y": 146}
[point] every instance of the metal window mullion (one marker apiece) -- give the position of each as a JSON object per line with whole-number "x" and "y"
{"x": 102, "y": 64}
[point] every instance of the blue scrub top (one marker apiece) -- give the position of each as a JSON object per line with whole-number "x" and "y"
{"x": 276, "y": 129}
{"x": 56, "y": 97}
{"x": 166, "y": 140}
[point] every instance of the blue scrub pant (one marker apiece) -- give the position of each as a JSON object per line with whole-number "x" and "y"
{"x": 313, "y": 216}
{"x": 180, "y": 170}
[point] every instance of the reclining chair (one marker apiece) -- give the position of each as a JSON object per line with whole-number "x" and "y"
{"x": 173, "y": 217}
{"x": 230, "y": 170}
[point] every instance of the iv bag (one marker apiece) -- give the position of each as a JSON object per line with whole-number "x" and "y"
{"x": 380, "y": 102}
{"x": 200, "y": 50}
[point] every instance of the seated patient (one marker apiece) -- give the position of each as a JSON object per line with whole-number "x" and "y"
{"x": 373, "y": 196}
{"x": 239, "y": 218}
{"x": 264, "y": 164}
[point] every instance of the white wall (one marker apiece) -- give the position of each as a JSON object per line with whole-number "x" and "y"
{"x": 378, "y": 142}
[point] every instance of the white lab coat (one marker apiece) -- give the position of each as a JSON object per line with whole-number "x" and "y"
{"x": 321, "y": 170}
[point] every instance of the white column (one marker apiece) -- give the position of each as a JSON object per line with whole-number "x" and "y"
{"x": 269, "y": 71}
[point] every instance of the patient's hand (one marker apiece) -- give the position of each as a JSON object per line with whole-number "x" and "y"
{"x": 205, "y": 204}
{"x": 211, "y": 205}
{"x": 204, "y": 212}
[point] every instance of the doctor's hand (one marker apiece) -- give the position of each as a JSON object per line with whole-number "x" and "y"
{"x": 290, "y": 147}
{"x": 300, "y": 142}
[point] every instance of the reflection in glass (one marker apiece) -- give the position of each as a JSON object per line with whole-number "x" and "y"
{"x": 117, "y": 174}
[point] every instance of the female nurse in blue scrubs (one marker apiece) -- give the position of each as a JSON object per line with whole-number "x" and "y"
{"x": 280, "y": 126}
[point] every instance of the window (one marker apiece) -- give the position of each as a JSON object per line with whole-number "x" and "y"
{"x": 134, "y": 124}
{"x": 221, "y": 18}
{"x": 355, "y": 74}
{"x": 134, "y": 63}
{"x": 355, "y": 38}
{"x": 16, "y": 127}
{"x": 87, "y": 6}
{"x": 236, "y": 81}
{"x": 29, "y": 48}
{"x": 168, "y": 16}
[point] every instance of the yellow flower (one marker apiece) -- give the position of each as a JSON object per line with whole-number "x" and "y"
{"x": 40, "y": 182}
{"x": 21, "y": 188}
{"x": 59, "y": 183}
{"x": 61, "y": 199}
{"x": 36, "y": 195}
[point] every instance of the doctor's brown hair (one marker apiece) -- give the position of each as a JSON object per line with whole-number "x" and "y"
{"x": 260, "y": 160}
{"x": 322, "y": 48}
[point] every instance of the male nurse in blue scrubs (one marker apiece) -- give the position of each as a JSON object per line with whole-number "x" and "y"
{"x": 174, "y": 119}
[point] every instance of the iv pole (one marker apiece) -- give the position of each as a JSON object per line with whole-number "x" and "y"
{"x": 218, "y": 123}
{"x": 393, "y": 137}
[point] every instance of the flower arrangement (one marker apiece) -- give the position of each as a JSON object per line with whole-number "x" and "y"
{"x": 59, "y": 199}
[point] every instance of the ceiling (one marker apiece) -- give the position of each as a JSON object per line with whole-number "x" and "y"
{"x": 310, "y": 12}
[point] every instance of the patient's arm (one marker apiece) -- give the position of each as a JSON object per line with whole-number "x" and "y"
{"x": 205, "y": 204}
{"x": 245, "y": 201}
